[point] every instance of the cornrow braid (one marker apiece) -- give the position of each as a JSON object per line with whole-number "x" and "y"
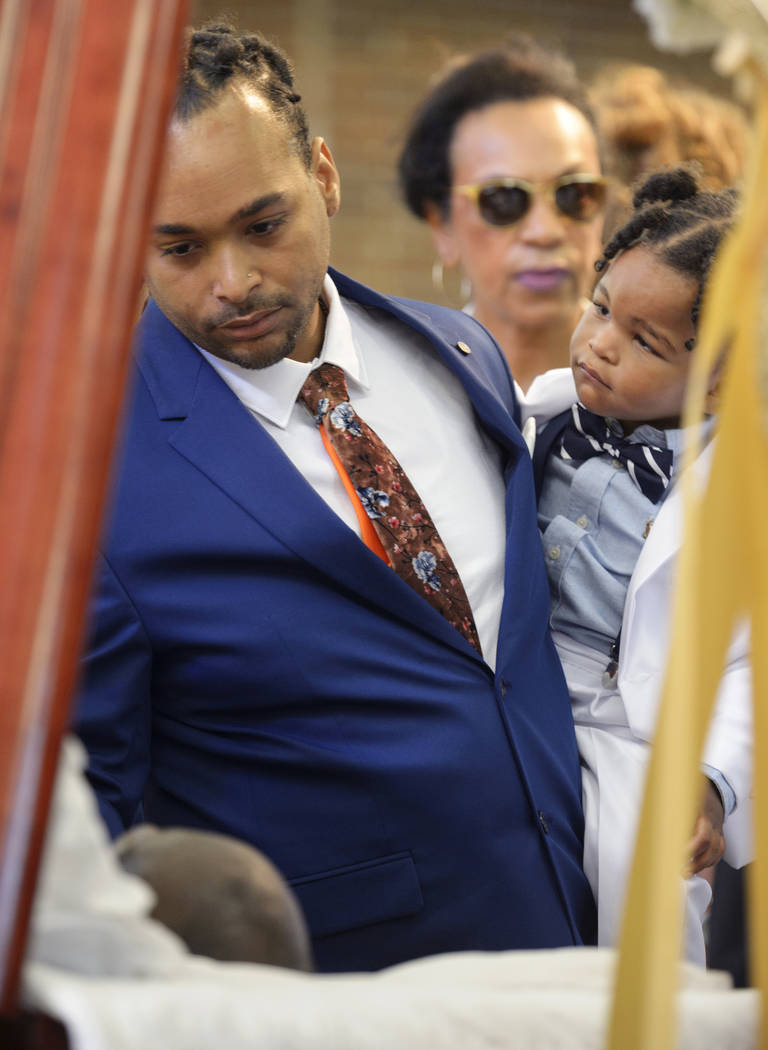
{"x": 216, "y": 55}
{"x": 682, "y": 224}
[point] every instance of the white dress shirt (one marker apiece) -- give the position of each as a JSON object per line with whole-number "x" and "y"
{"x": 421, "y": 411}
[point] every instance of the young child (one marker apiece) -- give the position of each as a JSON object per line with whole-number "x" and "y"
{"x": 605, "y": 468}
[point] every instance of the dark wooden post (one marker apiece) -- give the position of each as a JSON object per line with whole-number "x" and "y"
{"x": 85, "y": 89}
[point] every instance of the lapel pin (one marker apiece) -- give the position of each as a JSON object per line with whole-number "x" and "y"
{"x": 464, "y": 348}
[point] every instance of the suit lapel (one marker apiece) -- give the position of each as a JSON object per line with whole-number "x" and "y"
{"x": 653, "y": 565}
{"x": 666, "y": 534}
{"x": 494, "y": 414}
{"x": 545, "y": 439}
{"x": 663, "y": 541}
{"x": 221, "y": 439}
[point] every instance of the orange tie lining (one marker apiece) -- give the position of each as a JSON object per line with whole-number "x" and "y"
{"x": 368, "y": 532}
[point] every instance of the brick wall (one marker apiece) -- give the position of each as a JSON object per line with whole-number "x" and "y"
{"x": 363, "y": 65}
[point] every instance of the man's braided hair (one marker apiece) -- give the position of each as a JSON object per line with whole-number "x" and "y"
{"x": 217, "y": 56}
{"x": 682, "y": 224}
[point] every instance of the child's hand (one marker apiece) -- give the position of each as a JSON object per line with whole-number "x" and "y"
{"x": 707, "y": 845}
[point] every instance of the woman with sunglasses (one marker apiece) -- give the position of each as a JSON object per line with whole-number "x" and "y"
{"x": 502, "y": 161}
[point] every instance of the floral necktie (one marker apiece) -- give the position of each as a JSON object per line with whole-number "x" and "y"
{"x": 401, "y": 520}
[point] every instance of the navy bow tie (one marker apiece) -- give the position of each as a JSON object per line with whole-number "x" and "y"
{"x": 649, "y": 466}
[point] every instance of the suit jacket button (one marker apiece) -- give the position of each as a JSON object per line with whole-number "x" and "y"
{"x": 464, "y": 348}
{"x": 543, "y": 822}
{"x": 503, "y": 687}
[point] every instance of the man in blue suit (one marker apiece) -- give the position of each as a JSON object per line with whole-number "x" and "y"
{"x": 254, "y": 667}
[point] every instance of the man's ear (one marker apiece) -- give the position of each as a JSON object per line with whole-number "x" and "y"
{"x": 442, "y": 235}
{"x": 324, "y": 170}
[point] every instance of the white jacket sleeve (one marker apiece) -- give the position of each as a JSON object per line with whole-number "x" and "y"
{"x": 642, "y": 663}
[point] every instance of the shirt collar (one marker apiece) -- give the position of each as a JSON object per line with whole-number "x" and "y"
{"x": 644, "y": 434}
{"x": 272, "y": 392}
{"x": 673, "y": 438}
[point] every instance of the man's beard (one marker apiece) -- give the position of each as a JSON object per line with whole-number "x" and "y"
{"x": 211, "y": 336}
{"x": 265, "y": 357}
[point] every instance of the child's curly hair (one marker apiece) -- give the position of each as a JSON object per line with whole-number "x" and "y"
{"x": 682, "y": 224}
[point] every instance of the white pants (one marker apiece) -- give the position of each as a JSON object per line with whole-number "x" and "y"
{"x": 613, "y": 769}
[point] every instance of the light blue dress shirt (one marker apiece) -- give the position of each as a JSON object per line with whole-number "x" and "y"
{"x": 593, "y": 521}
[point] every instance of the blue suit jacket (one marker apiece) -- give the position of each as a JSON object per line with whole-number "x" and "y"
{"x": 545, "y": 442}
{"x": 254, "y": 668}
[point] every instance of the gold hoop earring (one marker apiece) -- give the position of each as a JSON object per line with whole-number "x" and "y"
{"x": 438, "y": 283}
{"x": 438, "y": 276}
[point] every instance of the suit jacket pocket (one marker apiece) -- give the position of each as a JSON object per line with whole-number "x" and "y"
{"x": 359, "y": 894}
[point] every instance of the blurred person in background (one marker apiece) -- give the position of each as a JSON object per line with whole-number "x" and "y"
{"x": 647, "y": 122}
{"x": 501, "y": 159}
